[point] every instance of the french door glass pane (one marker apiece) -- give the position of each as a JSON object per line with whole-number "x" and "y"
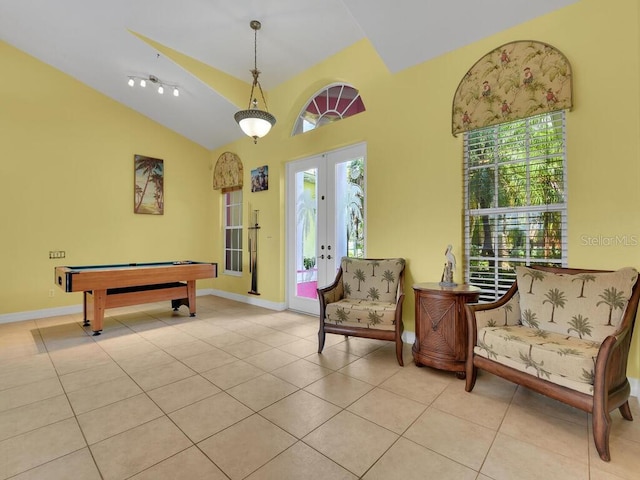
{"x": 306, "y": 233}
{"x": 349, "y": 187}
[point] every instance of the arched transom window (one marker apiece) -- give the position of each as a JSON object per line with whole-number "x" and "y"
{"x": 332, "y": 103}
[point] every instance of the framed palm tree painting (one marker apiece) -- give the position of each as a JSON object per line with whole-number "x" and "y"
{"x": 148, "y": 185}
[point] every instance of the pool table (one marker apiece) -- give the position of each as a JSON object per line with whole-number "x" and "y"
{"x": 120, "y": 285}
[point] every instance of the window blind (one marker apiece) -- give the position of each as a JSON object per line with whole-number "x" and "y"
{"x": 515, "y": 188}
{"x": 233, "y": 231}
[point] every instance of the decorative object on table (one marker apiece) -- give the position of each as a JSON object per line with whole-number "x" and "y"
{"x": 260, "y": 179}
{"x": 148, "y": 185}
{"x": 254, "y": 122}
{"x": 449, "y": 268}
{"x": 228, "y": 172}
{"x": 253, "y": 253}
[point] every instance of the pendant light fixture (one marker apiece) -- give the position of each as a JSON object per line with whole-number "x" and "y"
{"x": 254, "y": 122}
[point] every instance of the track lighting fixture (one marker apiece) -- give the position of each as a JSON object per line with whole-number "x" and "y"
{"x": 142, "y": 81}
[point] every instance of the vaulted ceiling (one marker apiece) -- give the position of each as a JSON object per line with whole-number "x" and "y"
{"x": 101, "y": 43}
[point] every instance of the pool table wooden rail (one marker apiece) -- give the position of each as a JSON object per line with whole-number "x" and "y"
{"x": 124, "y": 285}
{"x": 82, "y": 279}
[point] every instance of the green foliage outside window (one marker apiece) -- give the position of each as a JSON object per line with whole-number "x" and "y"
{"x": 516, "y": 199}
{"x": 354, "y": 205}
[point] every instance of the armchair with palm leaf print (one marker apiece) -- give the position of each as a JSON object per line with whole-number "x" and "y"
{"x": 565, "y": 333}
{"x": 365, "y": 300}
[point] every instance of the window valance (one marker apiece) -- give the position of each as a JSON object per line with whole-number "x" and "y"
{"x": 227, "y": 174}
{"x": 514, "y": 81}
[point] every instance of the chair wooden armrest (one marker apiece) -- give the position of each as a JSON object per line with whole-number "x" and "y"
{"x": 330, "y": 293}
{"x": 475, "y": 322}
{"x": 472, "y": 308}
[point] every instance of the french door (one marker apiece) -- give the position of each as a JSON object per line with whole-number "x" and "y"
{"x": 325, "y": 221}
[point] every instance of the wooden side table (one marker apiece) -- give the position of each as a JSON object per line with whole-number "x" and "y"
{"x": 441, "y": 326}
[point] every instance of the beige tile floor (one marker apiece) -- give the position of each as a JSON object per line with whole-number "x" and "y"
{"x": 240, "y": 392}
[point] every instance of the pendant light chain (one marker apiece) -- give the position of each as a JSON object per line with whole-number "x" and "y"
{"x": 255, "y": 49}
{"x": 255, "y": 71}
{"x": 253, "y": 121}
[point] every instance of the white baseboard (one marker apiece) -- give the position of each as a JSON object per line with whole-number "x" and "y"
{"x": 635, "y": 387}
{"x": 33, "y": 314}
{"x": 409, "y": 337}
{"x": 249, "y": 299}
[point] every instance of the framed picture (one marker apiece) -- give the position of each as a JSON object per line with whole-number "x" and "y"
{"x": 260, "y": 179}
{"x": 148, "y": 195}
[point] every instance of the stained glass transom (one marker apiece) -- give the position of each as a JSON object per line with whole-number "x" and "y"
{"x": 331, "y": 104}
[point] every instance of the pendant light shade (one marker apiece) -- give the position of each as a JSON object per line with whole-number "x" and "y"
{"x": 254, "y": 122}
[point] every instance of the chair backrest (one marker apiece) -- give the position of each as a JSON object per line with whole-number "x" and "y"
{"x": 582, "y": 303}
{"x": 372, "y": 278}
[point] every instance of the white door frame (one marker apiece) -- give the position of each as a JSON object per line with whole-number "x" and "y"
{"x": 326, "y": 163}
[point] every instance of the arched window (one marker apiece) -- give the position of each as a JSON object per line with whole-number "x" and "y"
{"x": 332, "y": 103}
{"x": 511, "y": 107}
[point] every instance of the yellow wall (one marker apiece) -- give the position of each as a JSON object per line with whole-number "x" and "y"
{"x": 414, "y": 164}
{"x": 71, "y": 188}
{"x": 66, "y": 170}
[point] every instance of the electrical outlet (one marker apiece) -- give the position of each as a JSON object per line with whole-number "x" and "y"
{"x": 52, "y": 293}
{"x": 57, "y": 253}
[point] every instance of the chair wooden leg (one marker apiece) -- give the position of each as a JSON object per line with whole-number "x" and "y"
{"x": 399, "y": 351}
{"x": 471, "y": 375}
{"x": 601, "y": 430}
{"x": 625, "y": 411}
{"x": 321, "y": 336}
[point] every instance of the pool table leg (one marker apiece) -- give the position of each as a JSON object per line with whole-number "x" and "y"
{"x": 84, "y": 309}
{"x": 95, "y": 303}
{"x": 191, "y": 293}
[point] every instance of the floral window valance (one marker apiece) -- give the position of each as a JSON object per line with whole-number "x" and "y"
{"x": 514, "y": 81}
{"x": 228, "y": 171}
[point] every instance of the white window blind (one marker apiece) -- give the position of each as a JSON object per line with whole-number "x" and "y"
{"x": 233, "y": 231}
{"x": 515, "y": 186}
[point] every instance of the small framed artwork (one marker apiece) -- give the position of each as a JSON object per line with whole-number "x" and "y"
{"x": 148, "y": 195}
{"x": 260, "y": 179}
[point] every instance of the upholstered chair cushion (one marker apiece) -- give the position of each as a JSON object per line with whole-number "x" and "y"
{"x": 562, "y": 359}
{"x": 362, "y": 313}
{"x": 586, "y": 305}
{"x": 373, "y": 280}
